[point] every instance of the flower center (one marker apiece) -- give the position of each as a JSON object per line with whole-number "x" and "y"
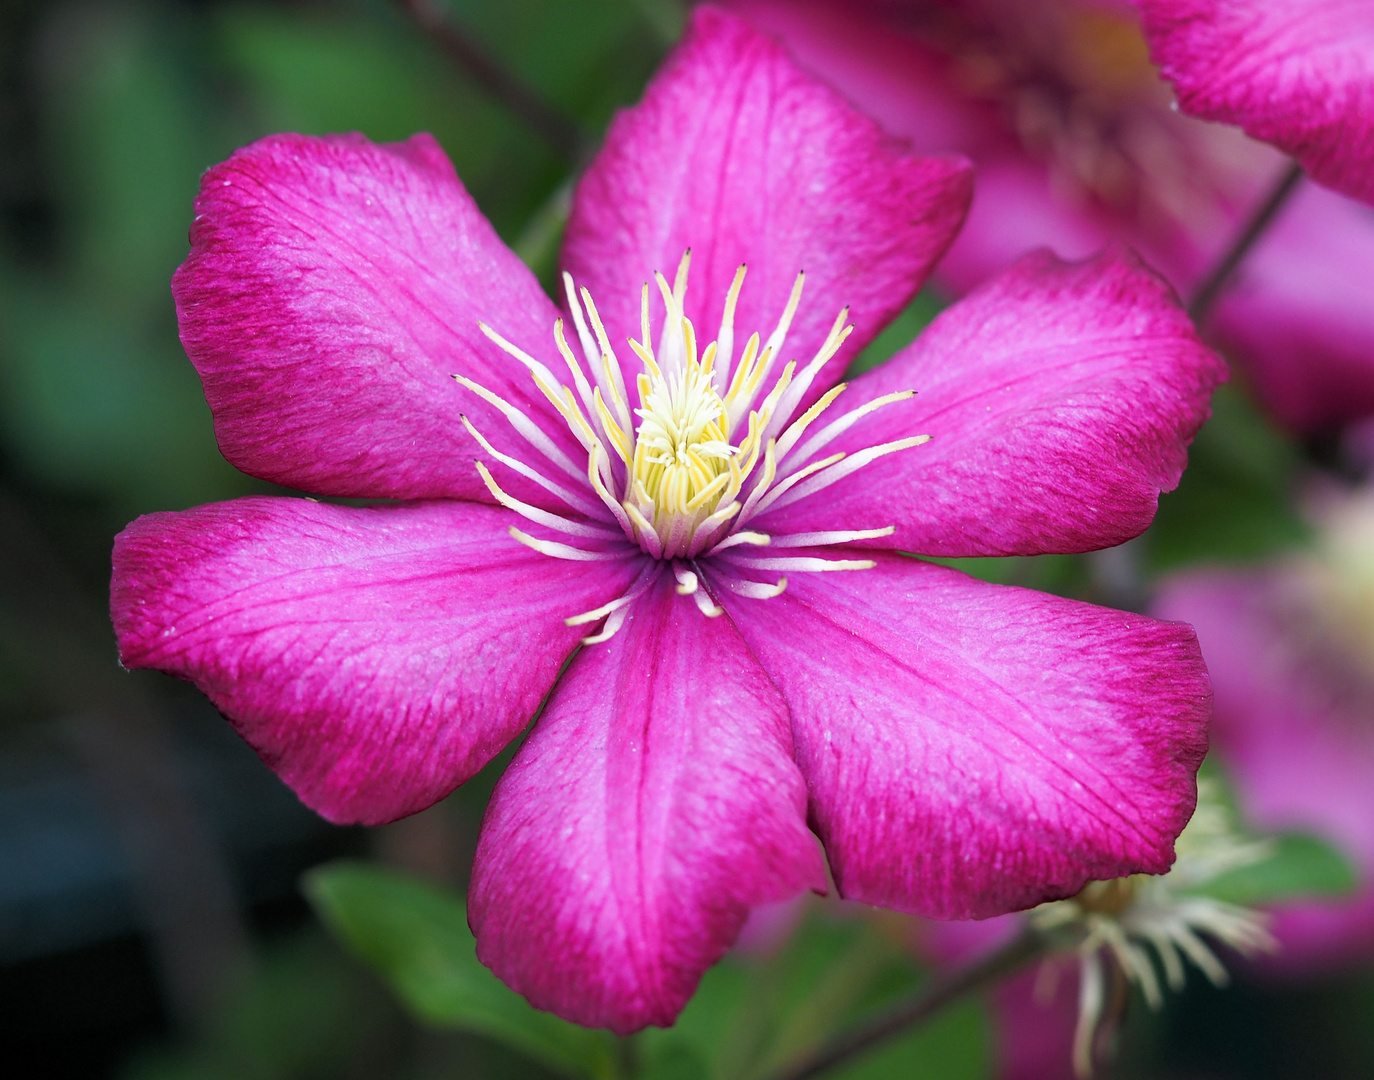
{"x": 682, "y": 454}
{"x": 706, "y": 451}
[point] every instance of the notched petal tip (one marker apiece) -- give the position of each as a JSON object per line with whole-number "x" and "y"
{"x": 604, "y": 901}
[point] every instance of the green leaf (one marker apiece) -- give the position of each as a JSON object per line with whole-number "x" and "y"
{"x": 898, "y": 334}
{"x": 417, "y": 937}
{"x": 752, "y": 1016}
{"x": 1234, "y": 501}
{"x": 1301, "y": 865}
{"x": 1065, "y": 575}
{"x": 955, "y": 1045}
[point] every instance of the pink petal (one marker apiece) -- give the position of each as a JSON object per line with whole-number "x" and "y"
{"x": 972, "y": 749}
{"x": 738, "y": 155}
{"x": 655, "y": 802}
{"x": 1060, "y": 398}
{"x": 1034, "y": 1037}
{"x": 333, "y": 289}
{"x": 375, "y": 658}
{"x": 1026, "y": 92}
{"x": 1325, "y": 934}
{"x": 1292, "y": 730}
{"x": 862, "y": 50}
{"x": 1300, "y": 314}
{"x": 1296, "y": 73}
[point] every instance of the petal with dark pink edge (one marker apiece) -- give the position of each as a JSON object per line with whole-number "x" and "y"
{"x": 972, "y": 749}
{"x": 1296, "y": 73}
{"x": 739, "y": 155}
{"x": 333, "y": 289}
{"x": 375, "y": 658}
{"x": 654, "y": 803}
{"x": 1293, "y": 733}
{"x": 1060, "y": 399}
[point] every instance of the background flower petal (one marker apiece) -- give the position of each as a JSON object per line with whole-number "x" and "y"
{"x": 971, "y": 749}
{"x": 737, "y": 154}
{"x": 1300, "y": 313}
{"x": 1296, "y": 73}
{"x": 375, "y": 658}
{"x": 1060, "y": 399}
{"x": 333, "y": 289}
{"x": 1177, "y": 189}
{"x": 1293, "y": 733}
{"x": 654, "y": 803}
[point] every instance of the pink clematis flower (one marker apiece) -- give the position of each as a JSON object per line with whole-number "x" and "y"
{"x": 1077, "y": 144}
{"x": 1295, "y": 73}
{"x": 720, "y": 528}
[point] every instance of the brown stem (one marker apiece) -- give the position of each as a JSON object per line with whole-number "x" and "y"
{"x": 1206, "y": 296}
{"x": 925, "y": 1004}
{"x": 559, "y": 131}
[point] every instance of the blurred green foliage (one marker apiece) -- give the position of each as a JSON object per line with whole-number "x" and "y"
{"x": 751, "y": 1017}
{"x": 134, "y": 100}
{"x": 306, "y": 1013}
{"x": 1298, "y": 865}
{"x": 1235, "y": 501}
{"x": 417, "y": 937}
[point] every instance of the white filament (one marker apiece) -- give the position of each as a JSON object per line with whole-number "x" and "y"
{"x": 709, "y": 446}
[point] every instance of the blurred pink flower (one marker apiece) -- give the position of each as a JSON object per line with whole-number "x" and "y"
{"x": 1290, "y": 649}
{"x": 1077, "y": 144}
{"x": 1142, "y": 931}
{"x": 1290, "y": 646}
{"x": 961, "y": 749}
{"x": 1295, "y": 73}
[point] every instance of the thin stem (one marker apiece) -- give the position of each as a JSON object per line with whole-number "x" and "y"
{"x": 1201, "y": 304}
{"x": 925, "y": 1004}
{"x": 561, "y": 132}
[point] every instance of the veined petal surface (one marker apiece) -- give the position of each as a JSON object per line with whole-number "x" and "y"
{"x": 1060, "y": 399}
{"x": 333, "y": 289}
{"x": 972, "y": 749}
{"x": 655, "y": 802}
{"x": 738, "y": 155}
{"x": 1296, "y": 73}
{"x": 375, "y": 658}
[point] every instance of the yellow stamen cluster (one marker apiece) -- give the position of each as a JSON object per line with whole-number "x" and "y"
{"x": 685, "y": 474}
{"x": 715, "y": 442}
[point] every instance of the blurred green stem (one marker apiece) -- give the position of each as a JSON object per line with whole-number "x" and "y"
{"x": 904, "y": 1016}
{"x": 561, "y": 132}
{"x": 666, "y": 17}
{"x": 538, "y": 242}
{"x": 1200, "y": 306}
